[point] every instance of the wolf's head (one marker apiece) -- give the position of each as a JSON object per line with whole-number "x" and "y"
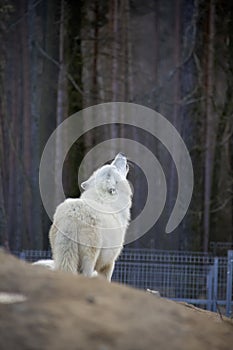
{"x": 110, "y": 179}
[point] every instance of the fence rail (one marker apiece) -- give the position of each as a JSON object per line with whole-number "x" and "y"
{"x": 197, "y": 278}
{"x": 220, "y": 248}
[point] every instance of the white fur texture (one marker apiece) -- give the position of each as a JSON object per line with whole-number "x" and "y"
{"x": 48, "y": 263}
{"x": 88, "y": 233}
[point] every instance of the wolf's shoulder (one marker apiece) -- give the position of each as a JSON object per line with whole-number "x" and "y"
{"x": 75, "y": 208}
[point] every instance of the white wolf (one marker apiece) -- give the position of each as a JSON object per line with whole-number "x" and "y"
{"x": 88, "y": 233}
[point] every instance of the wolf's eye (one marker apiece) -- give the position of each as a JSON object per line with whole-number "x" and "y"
{"x": 112, "y": 190}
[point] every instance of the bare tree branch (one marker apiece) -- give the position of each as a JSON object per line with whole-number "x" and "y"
{"x": 222, "y": 206}
{"x": 51, "y": 59}
{"x": 24, "y": 15}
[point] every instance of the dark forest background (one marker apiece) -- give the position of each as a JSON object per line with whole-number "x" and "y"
{"x": 174, "y": 56}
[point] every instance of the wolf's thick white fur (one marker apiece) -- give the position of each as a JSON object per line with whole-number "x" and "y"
{"x": 88, "y": 233}
{"x": 48, "y": 263}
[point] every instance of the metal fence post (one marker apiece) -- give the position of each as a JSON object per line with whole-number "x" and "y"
{"x": 209, "y": 289}
{"x": 229, "y": 283}
{"x": 22, "y": 255}
{"x": 215, "y": 291}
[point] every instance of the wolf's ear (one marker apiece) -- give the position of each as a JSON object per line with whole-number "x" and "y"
{"x": 85, "y": 185}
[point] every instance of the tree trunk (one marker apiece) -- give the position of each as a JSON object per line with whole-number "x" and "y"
{"x": 209, "y": 144}
{"x": 62, "y": 107}
{"x": 4, "y": 239}
{"x": 34, "y": 26}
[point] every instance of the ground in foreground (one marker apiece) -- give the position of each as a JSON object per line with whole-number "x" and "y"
{"x": 42, "y": 309}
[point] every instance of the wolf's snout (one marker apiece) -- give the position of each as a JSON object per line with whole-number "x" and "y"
{"x": 120, "y": 158}
{"x": 120, "y": 162}
{"x": 122, "y": 155}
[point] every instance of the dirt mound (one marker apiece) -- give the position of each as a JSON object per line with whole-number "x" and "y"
{"x": 41, "y": 309}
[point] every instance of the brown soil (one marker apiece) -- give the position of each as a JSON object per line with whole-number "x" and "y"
{"x": 62, "y": 311}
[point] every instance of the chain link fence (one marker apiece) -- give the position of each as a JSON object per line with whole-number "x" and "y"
{"x": 197, "y": 278}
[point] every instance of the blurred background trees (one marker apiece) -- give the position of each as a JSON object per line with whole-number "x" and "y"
{"x": 58, "y": 57}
